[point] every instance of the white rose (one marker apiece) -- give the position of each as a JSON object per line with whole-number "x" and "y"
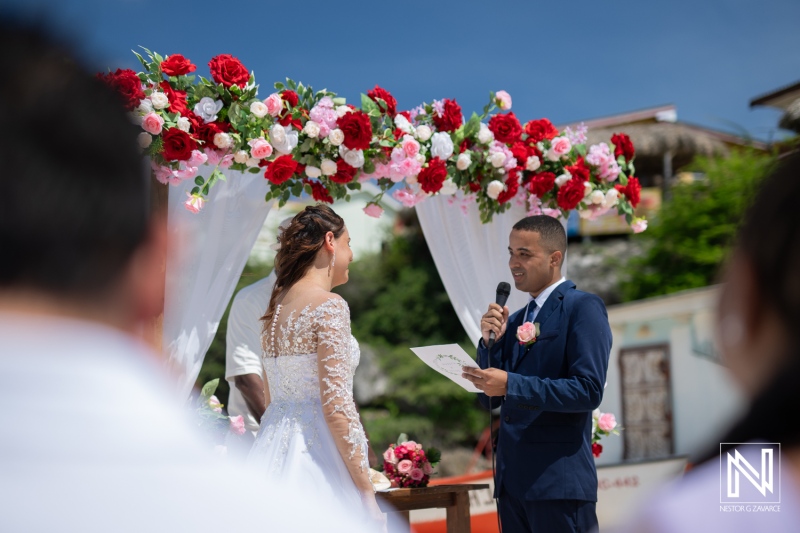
{"x": 597, "y": 197}
{"x": 448, "y": 187}
{"x": 441, "y": 145}
{"x": 411, "y": 180}
{"x": 612, "y": 197}
{"x": 587, "y": 189}
{"x": 498, "y": 159}
{"x": 420, "y": 159}
{"x": 252, "y": 162}
{"x": 145, "y": 107}
{"x": 313, "y": 172}
{"x": 259, "y": 109}
{"x": 222, "y": 141}
{"x": 485, "y": 135}
{"x": 311, "y": 129}
{"x": 423, "y": 132}
{"x": 241, "y": 156}
{"x": 184, "y": 124}
{"x": 289, "y": 141}
{"x": 336, "y": 137}
{"x": 494, "y": 189}
{"x": 328, "y": 167}
{"x": 354, "y": 158}
{"x": 463, "y": 162}
{"x": 277, "y": 133}
{"x": 552, "y": 155}
{"x": 563, "y": 178}
{"x": 342, "y": 110}
{"x": 208, "y": 108}
{"x": 145, "y": 140}
{"x": 533, "y": 163}
{"x": 159, "y": 99}
{"x": 403, "y": 124}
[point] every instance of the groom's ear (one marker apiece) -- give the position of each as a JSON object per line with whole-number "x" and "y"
{"x": 556, "y": 258}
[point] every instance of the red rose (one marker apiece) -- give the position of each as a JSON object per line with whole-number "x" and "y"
{"x": 383, "y": 94}
{"x": 344, "y": 172}
{"x": 450, "y": 119}
{"x": 465, "y": 145}
{"x": 474, "y": 186}
{"x": 127, "y": 84}
{"x": 290, "y": 97}
{"x": 319, "y": 192}
{"x": 178, "y": 145}
{"x": 579, "y": 170}
{"x": 357, "y": 130}
{"x": 541, "y": 183}
{"x": 177, "y": 99}
{"x": 623, "y": 146}
{"x": 281, "y": 169}
{"x": 597, "y": 449}
{"x": 432, "y": 177}
{"x": 570, "y": 194}
{"x": 228, "y": 70}
{"x": 506, "y": 128}
{"x": 539, "y": 130}
{"x": 512, "y": 187}
{"x": 521, "y": 153}
{"x": 205, "y": 131}
{"x": 177, "y": 65}
{"x": 632, "y": 190}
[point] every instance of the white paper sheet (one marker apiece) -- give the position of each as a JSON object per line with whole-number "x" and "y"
{"x": 447, "y": 359}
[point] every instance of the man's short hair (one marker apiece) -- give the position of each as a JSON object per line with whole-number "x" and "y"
{"x": 550, "y": 231}
{"x": 75, "y": 197}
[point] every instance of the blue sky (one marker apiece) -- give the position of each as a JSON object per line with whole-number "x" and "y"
{"x": 568, "y": 60}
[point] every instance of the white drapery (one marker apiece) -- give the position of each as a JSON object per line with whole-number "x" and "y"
{"x": 471, "y": 257}
{"x": 208, "y": 251}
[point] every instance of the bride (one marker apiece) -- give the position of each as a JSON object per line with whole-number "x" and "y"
{"x": 311, "y": 434}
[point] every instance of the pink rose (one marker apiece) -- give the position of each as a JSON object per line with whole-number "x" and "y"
{"x": 405, "y": 466}
{"x": 213, "y": 157}
{"x": 226, "y": 161}
{"x": 152, "y": 123}
{"x": 274, "y": 104}
{"x": 164, "y": 174}
{"x": 405, "y": 197}
{"x": 400, "y": 451}
{"x": 410, "y": 146}
{"x": 186, "y": 173}
{"x": 373, "y": 210}
{"x": 639, "y": 225}
{"x": 237, "y": 424}
{"x": 260, "y": 148}
{"x": 417, "y": 474}
{"x": 195, "y": 204}
{"x": 555, "y": 213}
{"x": 197, "y": 158}
{"x": 503, "y": 100}
{"x": 526, "y": 333}
{"x": 388, "y": 456}
{"x": 607, "y": 422}
{"x": 561, "y": 146}
{"x": 411, "y": 445}
{"x": 427, "y": 468}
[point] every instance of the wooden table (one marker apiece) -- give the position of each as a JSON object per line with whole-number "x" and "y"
{"x": 454, "y": 498}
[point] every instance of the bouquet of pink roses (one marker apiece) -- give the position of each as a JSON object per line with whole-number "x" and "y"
{"x": 406, "y": 464}
{"x": 603, "y": 425}
{"x": 212, "y": 420}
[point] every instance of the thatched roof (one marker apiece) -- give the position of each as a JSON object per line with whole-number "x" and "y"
{"x": 654, "y": 139}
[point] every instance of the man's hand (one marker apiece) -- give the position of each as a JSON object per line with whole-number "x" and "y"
{"x": 492, "y": 381}
{"x": 494, "y": 320}
{"x": 252, "y": 388}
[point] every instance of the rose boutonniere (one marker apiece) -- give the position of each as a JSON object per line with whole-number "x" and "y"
{"x": 527, "y": 333}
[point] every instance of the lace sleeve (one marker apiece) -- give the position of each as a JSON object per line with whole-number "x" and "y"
{"x": 336, "y": 369}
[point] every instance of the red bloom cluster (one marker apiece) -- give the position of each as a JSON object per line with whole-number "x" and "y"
{"x": 357, "y": 130}
{"x": 542, "y": 183}
{"x": 177, "y": 65}
{"x": 579, "y": 170}
{"x": 177, "y": 99}
{"x": 506, "y": 128}
{"x": 228, "y": 70}
{"x": 570, "y": 194}
{"x": 451, "y": 118}
{"x": 539, "y": 130}
{"x": 178, "y": 145}
{"x": 512, "y": 187}
{"x": 597, "y": 449}
{"x": 344, "y": 172}
{"x": 406, "y": 465}
{"x": 127, "y": 84}
{"x": 281, "y": 170}
{"x": 319, "y": 192}
{"x": 623, "y": 146}
{"x": 383, "y": 94}
{"x": 433, "y": 176}
{"x": 632, "y": 190}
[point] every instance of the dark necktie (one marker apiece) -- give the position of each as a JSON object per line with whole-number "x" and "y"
{"x": 531, "y": 309}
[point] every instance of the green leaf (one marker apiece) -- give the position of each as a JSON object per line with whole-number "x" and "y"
{"x": 209, "y": 389}
{"x": 354, "y": 186}
{"x": 195, "y": 190}
{"x": 369, "y": 166}
{"x": 581, "y": 149}
{"x": 198, "y": 180}
{"x": 401, "y": 438}
{"x": 297, "y": 189}
{"x": 369, "y": 106}
{"x": 473, "y": 126}
{"x": 254, "y": 170}
{"x": 623, "y": 179}
{"x": 339, "y": 101}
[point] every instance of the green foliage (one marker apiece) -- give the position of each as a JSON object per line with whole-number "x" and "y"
{"x": 694, "y": 230}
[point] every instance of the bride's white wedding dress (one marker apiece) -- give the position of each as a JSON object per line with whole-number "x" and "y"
{"x": 311, "y": 435}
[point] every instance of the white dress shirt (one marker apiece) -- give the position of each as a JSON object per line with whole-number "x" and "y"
{"x": 543, "y": 296}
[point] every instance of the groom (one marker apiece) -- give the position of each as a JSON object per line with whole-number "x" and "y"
{"x": 546, "y": 386}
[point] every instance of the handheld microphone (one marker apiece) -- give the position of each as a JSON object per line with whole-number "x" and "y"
{"x": 503, "y": 290}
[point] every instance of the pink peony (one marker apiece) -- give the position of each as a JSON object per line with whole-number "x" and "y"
{"x": 388, "y": 456}
{"x": 607, "y": 422}
{"x": 260, "y": 148}
{"x": 405, "y": 466}
{"x": 152, "y": 123}
{"x": 526, "y": 333}
{"x": 503, "y": 100}
{"x": 237, "y": 424}
{"x": 373, "y": 210}
{"x": 195, "y": 204}
{"x": 274, "y": 104}
{"x": 417, "y": 474}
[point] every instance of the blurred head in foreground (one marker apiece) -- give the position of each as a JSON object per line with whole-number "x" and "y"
{"x": 75, "y": 231}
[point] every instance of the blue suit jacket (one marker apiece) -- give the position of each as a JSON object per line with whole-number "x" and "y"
{"x": 545, "y": 443}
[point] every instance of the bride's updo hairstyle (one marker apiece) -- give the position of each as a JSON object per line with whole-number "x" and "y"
{"x": 299, "y": 244}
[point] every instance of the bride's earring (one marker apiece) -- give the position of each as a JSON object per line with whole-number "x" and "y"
{"x": 333, "y": 262}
